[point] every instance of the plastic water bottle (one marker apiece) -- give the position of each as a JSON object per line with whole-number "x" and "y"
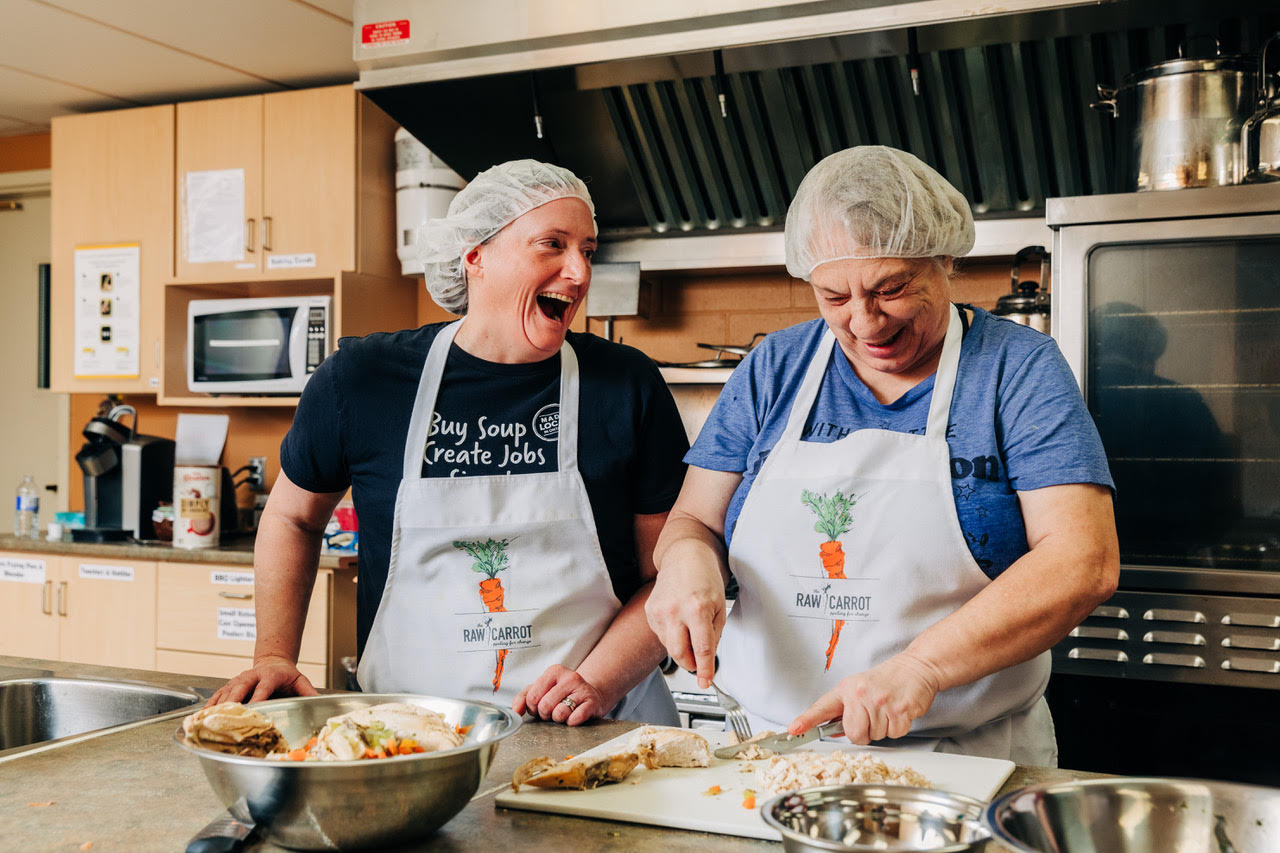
{"x": 26, "y": 510}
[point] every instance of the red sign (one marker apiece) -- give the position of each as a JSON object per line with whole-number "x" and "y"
{"x": 384, "y": 32}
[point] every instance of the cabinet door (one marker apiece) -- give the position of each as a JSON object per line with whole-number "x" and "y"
{"x": 107, "y": 612}
{"x": 309, "y": 181}
{"x": 213, "y": 136}
{"x": 112, "y": 183}
{"x": 28, "y": 620}
{"x": 210, "y": 608}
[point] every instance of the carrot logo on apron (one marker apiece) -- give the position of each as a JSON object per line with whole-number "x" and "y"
{"x": 834, "y": 520}
{"x": 489, "y": 557}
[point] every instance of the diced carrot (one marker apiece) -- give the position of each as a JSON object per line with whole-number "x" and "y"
{"x": 462, "y": 730}
{"x": 298, "y": 755}
{"x": 419, "y": 749}
{"x": 369, "y": 753}
{"x": 390, "y": 747}
{"x": 712, "y": 791}
{"x": 748, "y": 799}
{"x": 407, "y": 745}
{"x": 311, "y": 743}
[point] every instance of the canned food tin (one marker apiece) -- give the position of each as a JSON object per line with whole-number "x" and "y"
{"x": 195, "y": 506}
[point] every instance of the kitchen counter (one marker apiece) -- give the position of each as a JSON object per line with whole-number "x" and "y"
{"x": 236, "y": 551}
{"x": 136, "y": 789}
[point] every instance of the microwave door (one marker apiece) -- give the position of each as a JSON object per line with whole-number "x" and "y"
{"x": 298, "y": 346}
{"x": 246, "y": 350}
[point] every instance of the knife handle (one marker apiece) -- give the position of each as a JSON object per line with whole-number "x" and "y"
{"x": 835, "y": 728}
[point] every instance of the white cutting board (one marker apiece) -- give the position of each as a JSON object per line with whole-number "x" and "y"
{"x": 673, "y": 796}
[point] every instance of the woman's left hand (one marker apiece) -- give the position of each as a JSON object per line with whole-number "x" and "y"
{"x": 878, "y": 703}
{"x": 546, "y": 698}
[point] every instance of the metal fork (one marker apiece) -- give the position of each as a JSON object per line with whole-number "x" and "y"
{"x": 737, "y": 717}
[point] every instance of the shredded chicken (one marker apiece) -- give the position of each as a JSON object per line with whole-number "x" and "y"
{"x": 807, "y": 769}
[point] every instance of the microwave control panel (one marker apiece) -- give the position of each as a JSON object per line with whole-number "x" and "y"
{"x": 317, "y": 337}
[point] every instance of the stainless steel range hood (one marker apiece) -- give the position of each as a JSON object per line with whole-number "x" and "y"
{"x": 627, "y": 95}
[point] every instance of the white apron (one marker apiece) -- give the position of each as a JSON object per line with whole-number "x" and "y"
{"x": 816, "y": 605}
{"x": 492, "y": 579}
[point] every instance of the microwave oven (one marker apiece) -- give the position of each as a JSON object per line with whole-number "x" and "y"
{"x": 259, "y": 345}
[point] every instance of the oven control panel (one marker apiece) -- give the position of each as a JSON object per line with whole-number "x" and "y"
{"x": 1205, "y": 639}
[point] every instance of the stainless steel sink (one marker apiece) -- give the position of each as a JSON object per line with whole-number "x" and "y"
{"x": 34, "y": 710}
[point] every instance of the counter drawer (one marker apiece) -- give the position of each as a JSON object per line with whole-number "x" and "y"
{"x": 209, "y": 608}
{"x": 225, "y": 666}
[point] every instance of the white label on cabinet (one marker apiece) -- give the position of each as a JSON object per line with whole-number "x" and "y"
{"x": 237, "y": 623}
{"x": 281, "y": 262}
{"x": 106, "y": 573}
{"x": 21, "y": 571}
{"x": 231, "y": 578}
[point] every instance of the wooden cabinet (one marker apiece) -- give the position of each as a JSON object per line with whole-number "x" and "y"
{"x": 91, "y": 610}
{"x": 206, "y": 621}
{"x": 318, "y": 183}
{"x": 112, "y": 182}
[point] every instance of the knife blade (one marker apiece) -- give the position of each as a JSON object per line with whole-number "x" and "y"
{"x": 224, "y": 834}
{"x": 784, "y": 742}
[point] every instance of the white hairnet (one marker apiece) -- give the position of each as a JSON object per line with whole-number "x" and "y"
{"x": 871, "y": 201}
{"x": 490, "y": 202}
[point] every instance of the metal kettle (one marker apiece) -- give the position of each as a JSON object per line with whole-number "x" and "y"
{"x": 1026, "y": 303}
{"x": 1260, "y": 133}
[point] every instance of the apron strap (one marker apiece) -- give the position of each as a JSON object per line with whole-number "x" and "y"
{"x": 424, "y": 404}
{"x": 944, "y": 382}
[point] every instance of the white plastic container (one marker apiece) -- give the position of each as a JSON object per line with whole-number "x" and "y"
{"x": 424, "y": 188}
{"x": 195, "y": 506}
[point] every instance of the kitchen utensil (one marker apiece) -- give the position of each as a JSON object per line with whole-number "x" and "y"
{"x": 223, "y": 834}
{"x": 1179, "y": 123}
{"x": 876, "y": 817}
{"x": 1137, "y": 815}
{"x": 314, "y": 805}
{"x": 738, "y": 722}
{"x": 1027, "y": 304}
{"x": 1260, "y": 135}
{"x": 733, "y": 349}
{"x": 786, "y": 742}
{"x": 678, "y": 797}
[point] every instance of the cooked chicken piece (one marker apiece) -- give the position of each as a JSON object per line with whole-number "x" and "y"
{"x": 346, "y": 737}
{"x": 231, "y": 727}
{"x": 675, "y": 747}
{"x": 581, "y": 772}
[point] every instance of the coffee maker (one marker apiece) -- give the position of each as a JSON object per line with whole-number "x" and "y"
{"x": 126, "y": 475}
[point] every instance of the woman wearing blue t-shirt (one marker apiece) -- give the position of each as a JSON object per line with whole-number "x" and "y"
{"x": 910, "y": 494}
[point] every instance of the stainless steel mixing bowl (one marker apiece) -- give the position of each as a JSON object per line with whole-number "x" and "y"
{"x": 1138, "y": 815}
{"x": 876, "y": 817}
{"x": 330, "y": 805}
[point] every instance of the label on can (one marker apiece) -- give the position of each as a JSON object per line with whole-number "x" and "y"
{"x": 195, "y": 506}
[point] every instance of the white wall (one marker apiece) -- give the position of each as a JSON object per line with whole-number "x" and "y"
{"x": 34, "y": 424}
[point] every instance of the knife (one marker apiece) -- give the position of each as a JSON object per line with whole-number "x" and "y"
{"x": 784, "y": 742}
{"x": 225, "y": 834}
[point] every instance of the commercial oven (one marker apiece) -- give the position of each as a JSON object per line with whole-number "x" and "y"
{"x": 1167, "y": 307}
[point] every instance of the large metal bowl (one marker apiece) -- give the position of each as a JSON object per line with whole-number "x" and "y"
{"x": 330, "y": 805}
{"x": 876, "y": 817}
{"x": 1138, "y": 815}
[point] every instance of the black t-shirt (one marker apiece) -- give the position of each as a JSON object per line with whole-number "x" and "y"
{"x": 351, "y": 425}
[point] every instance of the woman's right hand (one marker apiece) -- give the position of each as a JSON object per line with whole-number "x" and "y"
{"x": 686, "y": 610}
{"x": 269, "y": 676}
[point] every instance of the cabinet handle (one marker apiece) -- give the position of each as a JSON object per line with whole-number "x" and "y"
{"x": 244, "y": 596}
{"x": 250, "y": 225}
{"x": 266, "y": 234}
{"x": 46, "y": 600}
{"x": 62, "y": 598}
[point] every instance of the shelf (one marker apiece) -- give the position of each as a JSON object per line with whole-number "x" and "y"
{"x": 695, "y": 375}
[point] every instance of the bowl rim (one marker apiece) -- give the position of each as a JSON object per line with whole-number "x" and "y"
{"x": 998, "y": 833}
{"x": 513, "y": 720}
{"x": 978, "y": 808}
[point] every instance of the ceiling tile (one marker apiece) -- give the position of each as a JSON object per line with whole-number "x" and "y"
{"x": 36, "y": 100}
{"x": 339, "y": 8}
{"x": 14, "y": 127}
{"x": 55, "y": 44}
{"x": 291, "y": 43}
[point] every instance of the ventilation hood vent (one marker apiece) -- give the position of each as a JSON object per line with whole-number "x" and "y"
{"x": 1003, "y": 109}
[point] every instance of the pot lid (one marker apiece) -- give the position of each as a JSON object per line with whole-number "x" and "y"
{"x": 1191, "y": 66}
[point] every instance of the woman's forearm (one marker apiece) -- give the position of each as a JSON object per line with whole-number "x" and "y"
{"x": 285, "y": 557}
{"x": 626, "y": 653}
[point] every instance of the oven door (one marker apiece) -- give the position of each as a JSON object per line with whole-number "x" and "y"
{"x": 252, "y": 350}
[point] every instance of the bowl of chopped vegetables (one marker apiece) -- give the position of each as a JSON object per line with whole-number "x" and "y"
{"x": 347, "y": 770}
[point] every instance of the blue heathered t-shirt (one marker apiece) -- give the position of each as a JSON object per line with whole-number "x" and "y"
{"x": 1017, "y": 423}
